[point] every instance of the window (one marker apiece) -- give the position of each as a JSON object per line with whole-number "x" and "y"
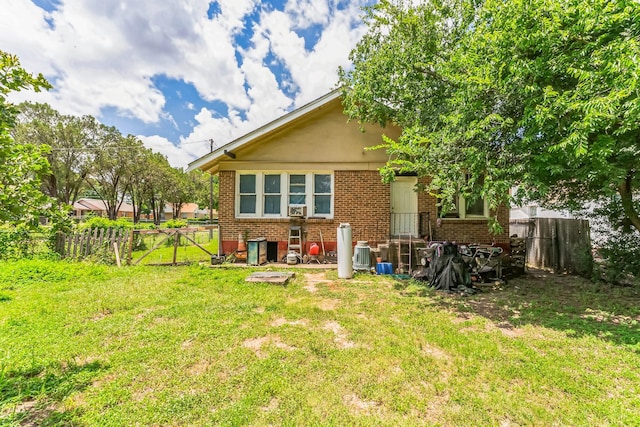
{"x": 321, "y": 194}
{"x": 247, "y": 194}
{"x": 271, "y": 195}
{"x": 464, "y": 208}
{"x": 297, "y": 189}
{"x": 267, "y": 194}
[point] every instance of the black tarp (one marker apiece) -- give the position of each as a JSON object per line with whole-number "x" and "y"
{"x": 447, "y": 270}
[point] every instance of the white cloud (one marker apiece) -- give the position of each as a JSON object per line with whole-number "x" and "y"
{"x": 305, "y": 13}
{"x": 106, "y": 54}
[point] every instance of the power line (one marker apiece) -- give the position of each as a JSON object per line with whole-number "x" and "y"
{"x": 123, "y": 147}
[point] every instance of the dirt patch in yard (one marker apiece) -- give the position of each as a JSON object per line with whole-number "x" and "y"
{"x": 340, "y": 338}
{"x": 257, "y": 344}
{"x": 563, "y": 302}
{"x": 358, "y": 405}
{"x": 312, "y": 281}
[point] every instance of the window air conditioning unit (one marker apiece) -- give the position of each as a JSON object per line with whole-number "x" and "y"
{"x": 297, "y": 211}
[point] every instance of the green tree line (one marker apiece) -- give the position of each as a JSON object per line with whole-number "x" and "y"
{"x": 49, "y": 160}
{"x": 493, "y": 94}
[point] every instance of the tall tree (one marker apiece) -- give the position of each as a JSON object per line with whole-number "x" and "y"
{"x": 161, "y": 179}
{"x": 70, "y": 156}
{"x": 191, "y": 187}
{"x": 142, "y": 182}
{"x": 21, "y": 165}
{"x": 110, "y": 176}
{"x": 490, "y": 94}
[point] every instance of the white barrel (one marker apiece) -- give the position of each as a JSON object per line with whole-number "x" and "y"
{"x": 362, "y": 256}
{"x": 345, "y": 266}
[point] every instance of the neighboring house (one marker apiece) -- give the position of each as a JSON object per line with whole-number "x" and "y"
{"x": 314, "y": 159}
{"x": 97, "y": 207}
{"x": 535, "y": 211}
{"x": 188, "y": 211}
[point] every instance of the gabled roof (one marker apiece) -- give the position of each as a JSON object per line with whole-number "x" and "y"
{"x": 98, "y": 205}
{"x": 209, "y": 162}
{"x": 186, "y": 207}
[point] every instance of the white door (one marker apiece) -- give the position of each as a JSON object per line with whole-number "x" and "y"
{"x": 404, "y": 207}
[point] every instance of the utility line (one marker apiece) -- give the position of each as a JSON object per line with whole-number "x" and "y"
{"x": 125, "y": 147}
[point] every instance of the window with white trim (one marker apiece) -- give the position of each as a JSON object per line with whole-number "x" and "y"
{"x": 321, "y": 194}
{"x": 272, "y": 204}
{"x": 463, "y": 208}
{"x": 247, "y": 194}
{"x": 297, "y": 189}
{"x": 268, "y": 194}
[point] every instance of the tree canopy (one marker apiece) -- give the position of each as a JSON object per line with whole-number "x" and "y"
{"x": 21, "y": 165}
{"x": 492, "y": 94}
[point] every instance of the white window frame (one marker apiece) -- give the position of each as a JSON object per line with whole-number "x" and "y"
{"x": 256, "y": 194}
{"x": 462, "y": 209}
{"x": 263, "y": 196}
{"x": 284, "y": 193}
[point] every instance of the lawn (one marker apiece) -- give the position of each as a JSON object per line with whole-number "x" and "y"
{"x": 92, "y": 345}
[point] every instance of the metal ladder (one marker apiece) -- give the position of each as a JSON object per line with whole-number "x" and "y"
{"x": 405, "y": 261}
{"x": 294, "y": 244}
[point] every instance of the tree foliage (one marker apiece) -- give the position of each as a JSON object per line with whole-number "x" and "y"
{"x": 87, "y": 156}
{"x": 491, "y": 94}
{"x": 45, "y": 153}
{"x": 68, "y": 138}
{"x": 21, "y": 165}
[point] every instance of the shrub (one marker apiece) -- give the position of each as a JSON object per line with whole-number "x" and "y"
{"x": 174, "y": 223}
{"x": 15, "y": 242}
{"x": 620, "y": 257}
{"x": 105, "y": 223}
{"x": 617, "y": 243}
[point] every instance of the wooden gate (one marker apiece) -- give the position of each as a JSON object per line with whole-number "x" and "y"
{"x": 176, "y": 234}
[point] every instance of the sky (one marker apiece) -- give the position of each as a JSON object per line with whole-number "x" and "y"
{"x": 178, "y": 74}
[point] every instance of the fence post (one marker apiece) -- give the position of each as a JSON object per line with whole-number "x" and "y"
{"x": 130, "y": 250}
{"x": 176, "y": 240}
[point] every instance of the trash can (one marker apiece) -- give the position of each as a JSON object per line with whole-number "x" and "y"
{"x": 345, "y": 261}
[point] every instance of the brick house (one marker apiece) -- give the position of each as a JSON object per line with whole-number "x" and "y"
{"x": 314, "y": 159}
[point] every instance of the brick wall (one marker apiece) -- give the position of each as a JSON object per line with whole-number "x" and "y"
{"x": 360, "y": 199}
{"x": 463, "y": 230}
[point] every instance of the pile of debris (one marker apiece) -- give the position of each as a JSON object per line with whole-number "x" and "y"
{"x": 445, "y": 269}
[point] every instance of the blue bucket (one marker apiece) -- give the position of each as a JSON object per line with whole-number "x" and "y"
{"x": 384, "y": 268}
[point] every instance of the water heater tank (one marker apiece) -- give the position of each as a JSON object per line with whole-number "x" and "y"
{"x": 345, "y": 266}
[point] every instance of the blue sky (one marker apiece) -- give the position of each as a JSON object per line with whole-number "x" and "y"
{"x": 179, "y": 73}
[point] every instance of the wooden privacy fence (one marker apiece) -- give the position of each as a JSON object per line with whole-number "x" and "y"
{"x": 87, "y": 242}
{"x": 562, "y": 245}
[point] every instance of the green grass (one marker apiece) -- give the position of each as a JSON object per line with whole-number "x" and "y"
{"x": 91, "y": 345}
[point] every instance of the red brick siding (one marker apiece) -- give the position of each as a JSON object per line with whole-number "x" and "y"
{"x": 360, "y": 199}
{"x": 463, "y": 230}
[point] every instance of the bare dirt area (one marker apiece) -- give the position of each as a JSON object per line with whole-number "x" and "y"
{"x": 558, "y": 301}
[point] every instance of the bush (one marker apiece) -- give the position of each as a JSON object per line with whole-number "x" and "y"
{"x": 617, "y": 243}
{"x": 620, "y": 257}
{"x": 15, "y": 242}
{"x": 174, "y": 223}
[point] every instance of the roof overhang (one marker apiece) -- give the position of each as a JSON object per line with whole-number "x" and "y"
{"x": 210, "y": 162}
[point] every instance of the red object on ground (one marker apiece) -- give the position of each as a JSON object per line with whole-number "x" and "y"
{"x": 314, "y": 249}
